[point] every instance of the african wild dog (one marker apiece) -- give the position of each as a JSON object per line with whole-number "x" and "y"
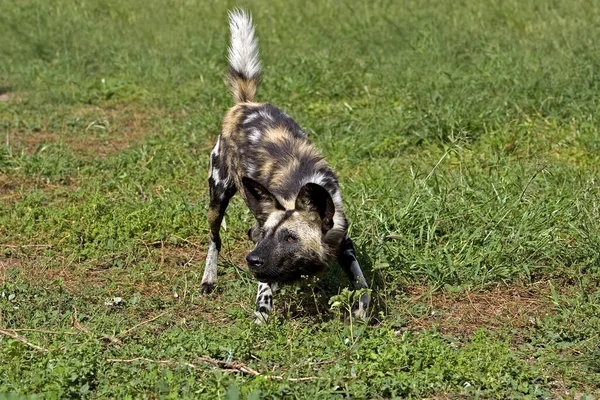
{"x": 291, "y": 190}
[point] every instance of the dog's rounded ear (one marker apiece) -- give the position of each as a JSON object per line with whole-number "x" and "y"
{"x": 314, "y": 199}
{"x": 259, "y": 200}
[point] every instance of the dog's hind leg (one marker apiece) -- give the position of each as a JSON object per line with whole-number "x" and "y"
{"x": 349, "y": 263}
{"x": 221, "y": 191}
{"x": 264, "y": 302}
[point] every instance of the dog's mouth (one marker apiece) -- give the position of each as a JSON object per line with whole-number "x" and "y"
{"x": 266, "y": 274}
{"x": 283, "y": 275}
{"x": 265, "y": 278}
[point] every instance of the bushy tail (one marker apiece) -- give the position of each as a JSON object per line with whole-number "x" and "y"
{"x": 244, "y": 66}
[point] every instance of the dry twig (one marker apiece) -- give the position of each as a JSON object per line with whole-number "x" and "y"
{"x": 335, "y": 360}
{"x": 142, "y": 323}
{"x": 82, "y": 328}
{"x": 229, "y": 366}
{"x": 18, "y": 246}
{"x": 44, "y": 331}
{"x": 225, "y": 366}
{"x": 23, "y": 340}
{"x": 76, "y": 323}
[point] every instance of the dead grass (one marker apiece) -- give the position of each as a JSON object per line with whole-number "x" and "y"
{"x": 80, "y": 279}
{"x": 514, "y": 307}
{"x": 460, "y": 314}
{"x": 98, "y": 131}
{"x": 13, "y": 187}
{"x": 6, "y": 93}
{"x": 12, "y": 183}
{"x": 38, "y": 268}
{"x": 113, "y": 129}
{"x": 5, "y": 97}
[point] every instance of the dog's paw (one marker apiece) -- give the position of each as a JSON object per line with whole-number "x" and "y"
{"x": 261, "y": 318}
{"x": 207, "y": 288}
{"x": 361, "y": 307}
{"x": 359, "y": 313}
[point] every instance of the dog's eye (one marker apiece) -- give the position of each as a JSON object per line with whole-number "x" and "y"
{"x": 291, "y": 239}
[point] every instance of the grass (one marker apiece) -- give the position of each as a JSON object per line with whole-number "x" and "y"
{"x": 467, "y": 143}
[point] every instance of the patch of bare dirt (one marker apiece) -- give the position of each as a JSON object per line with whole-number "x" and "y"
{"x": 38, "y": 268}
{"x": 14, "y": 187}
{"x": 114, "y": 129}
{"x": 92, "y": 131}
{"x": 8, "y": 97}
{"x": 461, "y": 314}
{"x": 33, "y": 265}
{"x": 9, "y": 184}
{"x": 174, "y": 272}
{"x": 6, "y": 93}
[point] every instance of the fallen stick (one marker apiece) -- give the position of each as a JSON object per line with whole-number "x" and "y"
{"x": 83, "y": 329}
{"x": 231, "y": 366}
{"x": 23, "y": 340}
{"x": 44, "y": 331}
{"x": 17, "y": 246}
{"x": 226, "y": 366}
{"x": 141, "y": 323}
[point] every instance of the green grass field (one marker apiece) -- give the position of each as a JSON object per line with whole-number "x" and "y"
{"x": 467, "y": 141}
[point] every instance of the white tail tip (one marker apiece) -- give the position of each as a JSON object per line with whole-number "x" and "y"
{"x": 243, "y": 52}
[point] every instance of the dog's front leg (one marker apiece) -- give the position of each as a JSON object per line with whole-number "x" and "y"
{"x": 264, "y": 302}
{"x": 349, "y": 263}
{"x": 220, "y": 194}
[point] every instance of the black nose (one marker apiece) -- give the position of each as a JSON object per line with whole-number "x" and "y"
{"x": 254, "y": 261}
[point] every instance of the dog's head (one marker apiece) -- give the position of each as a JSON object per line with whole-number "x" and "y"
{"x": 294, "y": 243}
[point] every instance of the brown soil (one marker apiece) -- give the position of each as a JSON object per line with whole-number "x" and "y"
{"x": 460, "y": 314}
{"x": 8, "y": 97}
{"x": 14, "y": 188}
{"x": 113, "y": 129}
{"x": 107, "y": 130}
{"x": 38, "y": 268}
{"x": 511, "y": 308}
